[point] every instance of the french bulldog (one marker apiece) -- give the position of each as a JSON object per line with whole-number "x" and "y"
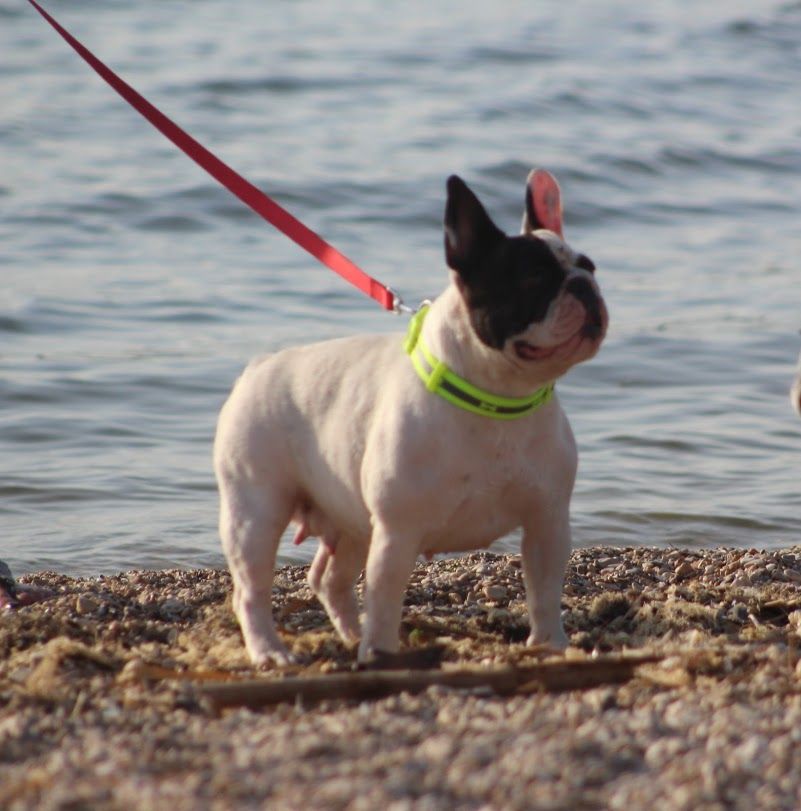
{"x": 386, "y": 451}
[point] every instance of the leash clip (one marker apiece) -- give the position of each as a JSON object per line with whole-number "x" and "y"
{"x": 398, "y": 305}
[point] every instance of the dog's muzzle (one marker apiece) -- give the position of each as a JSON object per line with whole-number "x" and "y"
{"x": 583, "y": 290}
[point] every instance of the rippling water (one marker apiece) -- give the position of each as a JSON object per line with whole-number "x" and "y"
{"x": 134, "y": 288}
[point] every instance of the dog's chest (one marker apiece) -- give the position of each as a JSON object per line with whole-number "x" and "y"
{"x": 477, "y": 487}
{"x": 484, "y": 510}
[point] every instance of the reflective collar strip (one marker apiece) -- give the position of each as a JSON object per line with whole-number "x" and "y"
{"x": 440, "y": 380}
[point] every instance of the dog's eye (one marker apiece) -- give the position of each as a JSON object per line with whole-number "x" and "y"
{"x": 585, "y": 263}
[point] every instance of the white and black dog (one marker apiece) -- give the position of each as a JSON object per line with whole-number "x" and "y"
{"x": 386, "y": 451}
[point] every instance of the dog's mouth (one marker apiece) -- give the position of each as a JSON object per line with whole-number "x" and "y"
{"x": 528, "y": 352}
{"x": 590, "y": 330}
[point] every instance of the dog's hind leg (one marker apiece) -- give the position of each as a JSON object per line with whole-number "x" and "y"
{"x": 332, "y": 576}
{"x": 251, "y": 524}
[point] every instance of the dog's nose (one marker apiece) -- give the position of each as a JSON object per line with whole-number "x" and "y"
{"x": 592, "y": 329}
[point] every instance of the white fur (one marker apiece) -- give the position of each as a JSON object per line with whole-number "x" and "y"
{"x": 795, "y": 389}
{"x": 343, "y": 438}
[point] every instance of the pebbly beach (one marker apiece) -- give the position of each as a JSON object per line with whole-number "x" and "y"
{"x": 681, "y": 689}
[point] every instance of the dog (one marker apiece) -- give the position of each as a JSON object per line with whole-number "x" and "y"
{"x": 386, "y": 450}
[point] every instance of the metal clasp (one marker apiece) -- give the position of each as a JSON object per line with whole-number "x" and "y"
{"x": 399, "y": 307}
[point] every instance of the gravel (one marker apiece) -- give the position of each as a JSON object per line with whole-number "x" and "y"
{"x": 101, "y": 707}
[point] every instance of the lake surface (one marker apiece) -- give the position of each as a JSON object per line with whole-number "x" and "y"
{"x": 134, "y": 288}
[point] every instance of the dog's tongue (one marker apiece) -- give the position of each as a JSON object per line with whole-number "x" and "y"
{"x": 547, "y": 200}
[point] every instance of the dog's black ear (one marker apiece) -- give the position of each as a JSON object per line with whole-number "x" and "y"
{"x": 470, "y": 234}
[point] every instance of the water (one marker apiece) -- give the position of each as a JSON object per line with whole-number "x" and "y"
{"x": 134, "y": 288}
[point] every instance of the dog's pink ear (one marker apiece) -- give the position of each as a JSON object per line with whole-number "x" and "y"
{"x": 543, "y": 203}
{"x": 469, "y": 232}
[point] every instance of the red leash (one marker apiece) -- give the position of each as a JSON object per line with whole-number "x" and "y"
{"x": 234, "y": 182}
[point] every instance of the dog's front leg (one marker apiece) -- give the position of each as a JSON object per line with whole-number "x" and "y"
{"x": 389, "y": 565}
{"x": 545, "y": 551}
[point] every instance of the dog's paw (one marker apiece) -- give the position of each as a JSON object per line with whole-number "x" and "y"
{"x": 275, "y": 660}
{"x": 274, "y": 656}
{"x": 557, "y": 640}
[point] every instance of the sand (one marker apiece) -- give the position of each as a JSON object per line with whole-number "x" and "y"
{"x": 102, "y": 702}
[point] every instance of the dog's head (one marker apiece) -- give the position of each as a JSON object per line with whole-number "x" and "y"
{"x": 531, "y": 297}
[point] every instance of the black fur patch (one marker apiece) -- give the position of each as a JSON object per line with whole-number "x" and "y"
{"x": 513, "y": 289}
{"x": 508, "y": 283}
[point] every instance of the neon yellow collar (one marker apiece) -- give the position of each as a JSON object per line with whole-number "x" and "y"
{"x": 439, "y": 379}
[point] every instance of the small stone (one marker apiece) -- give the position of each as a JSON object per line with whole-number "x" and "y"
{"x": 172, "y": 608}
{"x": 496, "y": 593}
{"x": 604, "y": 563}
{"x": 114, "y": 629}
{"x": 85, "y": 604}
{"x": 134, "y": 671}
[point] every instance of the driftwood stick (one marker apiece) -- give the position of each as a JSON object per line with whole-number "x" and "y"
{"x": 549, "y": 676}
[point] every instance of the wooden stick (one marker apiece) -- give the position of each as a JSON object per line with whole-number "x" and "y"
{"x": 504, "y": 680}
